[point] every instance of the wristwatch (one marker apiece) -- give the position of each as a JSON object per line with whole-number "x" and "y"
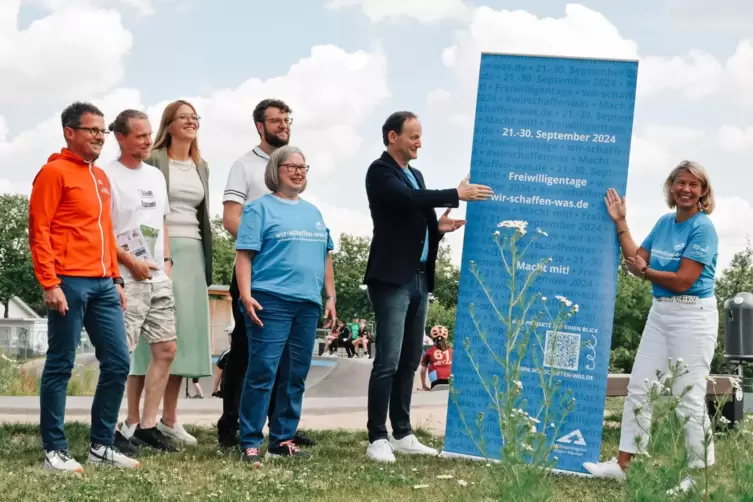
{"x": 168, "y": 259}
{"x": 119, "y": 281}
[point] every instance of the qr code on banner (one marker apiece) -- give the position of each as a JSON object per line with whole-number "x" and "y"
{"x": 562, "y": 350}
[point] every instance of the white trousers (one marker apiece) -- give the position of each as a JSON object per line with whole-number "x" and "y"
{"x": 677, "y": 331}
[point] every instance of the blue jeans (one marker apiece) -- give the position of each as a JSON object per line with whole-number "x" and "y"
{"x": 286, "y": 341}
{"x": 94, "y": 304}
{"x": 400, "y": 322}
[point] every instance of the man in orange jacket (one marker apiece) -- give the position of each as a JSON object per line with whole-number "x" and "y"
{"x": 75, "y": 261}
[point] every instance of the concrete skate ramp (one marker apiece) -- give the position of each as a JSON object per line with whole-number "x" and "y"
{"x": 348, "y": 378}
{"x": 328, "y": 377}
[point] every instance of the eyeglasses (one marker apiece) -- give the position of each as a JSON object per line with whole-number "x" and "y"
{"x": 278, "y": 121}
{"x": 94, "y": 131}
{"x": 183, "y": 117}
{"x": 296, "y": 167}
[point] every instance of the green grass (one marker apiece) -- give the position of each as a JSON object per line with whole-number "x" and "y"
{"x": 338, "y": 471}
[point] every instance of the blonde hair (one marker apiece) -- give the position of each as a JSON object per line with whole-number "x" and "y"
{"x": 706, "y": 202}
{"x": 164, "y": 138}
{"x": 272, "y": 172}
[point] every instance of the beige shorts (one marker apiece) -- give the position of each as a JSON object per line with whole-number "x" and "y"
{"x": 150, "y": 312}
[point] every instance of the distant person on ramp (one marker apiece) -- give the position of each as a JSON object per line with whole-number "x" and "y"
{"x": 437, "y": 360}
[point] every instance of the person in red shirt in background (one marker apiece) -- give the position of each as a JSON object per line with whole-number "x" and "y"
{"x": 437, "y": 361}
{"x": 75, "y": 260}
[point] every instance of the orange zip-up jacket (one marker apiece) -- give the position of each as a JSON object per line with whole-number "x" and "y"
{"x": 70, "y": 229}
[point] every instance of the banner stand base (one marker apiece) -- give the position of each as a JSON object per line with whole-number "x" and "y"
{"x": 463, "y": 456}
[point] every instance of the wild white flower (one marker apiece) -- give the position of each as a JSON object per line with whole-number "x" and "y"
{"x": 551, "y": 424}
{"x": 519, "y": 385}
{"x": 527, "y": 447}
{"x": 542, "y": 232}
{"x": 463, "y": 482}
{"x": 534, "y": 420}
{"x": 735, "y": 382}
{"x": 533, "y": 429}
{"x": 710, "y": 379}
{"x": 564, "y": 301}
{"x": 496, "y": 233}
{"x": 723, "y": 420}
{"x": 679, "y": 360}
{"x": 576, "y": 308}
{"x": 543, "y": 298}
{"x": 518, "y": 225}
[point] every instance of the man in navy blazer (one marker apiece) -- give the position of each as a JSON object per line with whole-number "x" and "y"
{"x": 400, "y": 276}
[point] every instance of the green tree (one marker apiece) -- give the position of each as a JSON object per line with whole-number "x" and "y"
{"x": 16, "y": 268}
{"x": 737, "y": 277}
{"x": 631, "y": 308}
{"x": 349, "y": 262}
{"x": 223, "y": 253}
{"x": 446, "y": 278}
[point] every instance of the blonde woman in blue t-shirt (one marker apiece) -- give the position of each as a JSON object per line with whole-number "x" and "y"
{"x": 679, "y": 258}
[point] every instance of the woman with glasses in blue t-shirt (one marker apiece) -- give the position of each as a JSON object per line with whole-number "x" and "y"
{"x": 283, "y": 263}
{"x": 679, "y": 258}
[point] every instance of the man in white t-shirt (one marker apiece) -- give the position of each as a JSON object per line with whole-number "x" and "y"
{"x": 139, "y": 206}
{"x": 244, "y": 184}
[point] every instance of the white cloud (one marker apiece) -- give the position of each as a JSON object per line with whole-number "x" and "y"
{"x": 729, "y": 213}
{"x": 425, "y": 11}
{"x": 695, "y": 75}
{"x": 735, "y": 139}
{"x": 332, "y": 92}
{"x": 53, "y": 51}
{"x": 581, "y": 32}
{"x": 699, "y": 74}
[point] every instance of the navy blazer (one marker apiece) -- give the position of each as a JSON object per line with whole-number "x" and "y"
{"x": 400, "y": 215}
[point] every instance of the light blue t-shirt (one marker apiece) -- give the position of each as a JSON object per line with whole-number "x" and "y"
{"x": 291, "y": 244}
{"x": 695, "y": 239}
{"x": 425, "y": 251}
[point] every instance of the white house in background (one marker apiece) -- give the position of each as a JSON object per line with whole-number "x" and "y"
{"x": 24, "y": 332}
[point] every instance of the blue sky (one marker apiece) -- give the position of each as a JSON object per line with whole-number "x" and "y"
{"x": 144, "y": 53}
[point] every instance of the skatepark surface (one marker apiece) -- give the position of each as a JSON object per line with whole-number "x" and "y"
{"x": 335, "y": 397}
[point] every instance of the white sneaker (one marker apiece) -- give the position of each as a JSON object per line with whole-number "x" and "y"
{"x": 381, "y": 451}
{"x": 177, "y": 432}
{"x": 111, "y": 456}
{"x": 607, "y": 470}
{"x": 411, "y": 446}
{"x": 685, "y": 485}
{"x": 61, "y": 460}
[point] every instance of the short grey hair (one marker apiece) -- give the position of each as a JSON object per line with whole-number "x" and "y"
{"x": 278, "y": 157}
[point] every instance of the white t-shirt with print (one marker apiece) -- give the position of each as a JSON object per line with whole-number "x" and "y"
{"x": 245, "y": 182}
{"x": 139, "y": 197}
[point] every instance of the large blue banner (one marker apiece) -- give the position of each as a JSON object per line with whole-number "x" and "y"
{"x": 551, "y": 136}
